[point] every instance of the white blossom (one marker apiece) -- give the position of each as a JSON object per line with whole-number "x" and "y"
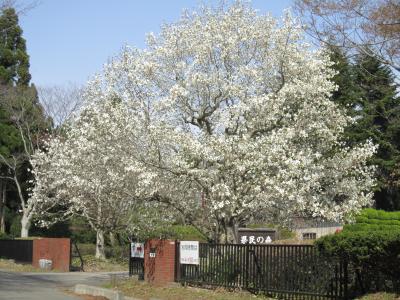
{"x": 225, "y": 103}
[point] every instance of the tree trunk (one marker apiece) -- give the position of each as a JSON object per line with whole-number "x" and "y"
{"x": 100, "y": 251}
{"x": 25, "y": 225}
{"x": 232, "y": 232}
{"x": 113, "y": 241}
{"x": 3, "y": 195}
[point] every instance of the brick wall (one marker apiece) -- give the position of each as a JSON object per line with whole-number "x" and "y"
{"x": 161, "y": 268}
{"x": 55, "y": 249}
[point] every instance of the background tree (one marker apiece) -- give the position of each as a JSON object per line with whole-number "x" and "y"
{"x": 27, "y": 117}
{"x": 367, "y": 91}
{"x": 370, "y": 27}
{"x": 348, "y": 94}
{"x": 9, "y": 143}
{"x": 14, "y": 69}
{"x": 61, "y": 103}
{"x": 14, "y": 60}
{"x": 21, "y": 116}
{"x": 380, "y": 121}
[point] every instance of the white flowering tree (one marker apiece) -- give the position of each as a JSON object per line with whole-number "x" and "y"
{"x": 88, "y": 172}
{"x": 239, "y": 107}
{"x": 229, "y": 115}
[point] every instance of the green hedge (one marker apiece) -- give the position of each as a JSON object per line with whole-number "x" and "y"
{"x": 379, "y": 249}
{"x": 371, "y": 214}
{"x": 375, "y": 220}
{"x": 371, "y": 246}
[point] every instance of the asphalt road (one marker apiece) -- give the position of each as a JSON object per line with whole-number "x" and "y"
{"x": 47, "y": 286}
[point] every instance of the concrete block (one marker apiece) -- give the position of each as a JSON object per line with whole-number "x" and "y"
{"x": 97, "y": 291}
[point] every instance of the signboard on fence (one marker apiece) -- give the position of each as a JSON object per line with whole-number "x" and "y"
{"x": 189, "y": 252}
{"x": 260, "y": 236}
{"x": 137, "y": 250}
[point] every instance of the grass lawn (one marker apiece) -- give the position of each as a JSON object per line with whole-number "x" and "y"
{"x": 11, "y": 265}
{"x": 380, "y": 296}
{"x": 145, "y": 291}
{"x": 91, "y": 264}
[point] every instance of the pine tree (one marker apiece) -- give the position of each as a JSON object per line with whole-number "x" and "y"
{"x": 348, "y": 94}
{"x": 380, "y": 121}
{"x": 22, "y": 120}
{"x": 14, "y": 60}
{"x": 367, "y": 90}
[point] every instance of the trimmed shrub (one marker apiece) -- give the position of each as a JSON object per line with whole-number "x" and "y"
{"x": 371, "y": 246}
{"x": 366, "y": 250}
{"x": 375, "y": 220}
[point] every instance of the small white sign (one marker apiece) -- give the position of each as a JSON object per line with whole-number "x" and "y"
{"x": 189, "y": 252}
{"x": 137, "y": 250}
{"x": 268, "y": 240}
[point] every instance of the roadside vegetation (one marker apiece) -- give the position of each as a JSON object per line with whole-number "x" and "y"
{"x": 145, "y": 291}
{"x": 380, "y": 296}
{"x": 12, "y": 266}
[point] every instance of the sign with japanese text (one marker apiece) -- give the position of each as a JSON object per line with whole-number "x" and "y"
{"x": 189, "y": 252}
{"x": 137, "y": 250}
{"x": 260, "y": 236}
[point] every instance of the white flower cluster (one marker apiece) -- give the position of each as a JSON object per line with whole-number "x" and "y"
{"x": 225, "y": 103}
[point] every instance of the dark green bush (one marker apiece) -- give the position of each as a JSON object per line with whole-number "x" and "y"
{"x": 187, "y": 232}
{"x": 378, "y": 250}
{"x": 15, "y": 228}
{"x": 371, "y": 247}
{"x": 5, "y": 236}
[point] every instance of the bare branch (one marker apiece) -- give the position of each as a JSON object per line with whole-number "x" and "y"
{"x": 367, "y": 26}
{"x": 61, "y": 102}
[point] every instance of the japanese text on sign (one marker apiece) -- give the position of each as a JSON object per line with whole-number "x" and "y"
{"x": 189, "y": 252}
{"x": 244, "y": 239}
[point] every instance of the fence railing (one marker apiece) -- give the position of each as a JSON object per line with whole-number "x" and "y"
{"x": 19, "y": 250}
{"x": 286, "y": 271}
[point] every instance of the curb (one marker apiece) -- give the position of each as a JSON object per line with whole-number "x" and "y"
{"x": 97, "y": 291}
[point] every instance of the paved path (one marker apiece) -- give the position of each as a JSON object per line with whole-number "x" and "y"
{"x": 47, "y": 286}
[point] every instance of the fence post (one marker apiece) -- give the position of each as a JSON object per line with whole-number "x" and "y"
{"x": 177, "y": 262}
{"x": 130, "y": 260}
{"x": 346, "y": 278}
{"x": 247, "y": 265}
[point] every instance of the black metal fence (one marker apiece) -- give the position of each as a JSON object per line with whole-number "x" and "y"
{"x": 19, "y": 250}
{"x": 284, "y": 271}
{"x": 136, "y": 267}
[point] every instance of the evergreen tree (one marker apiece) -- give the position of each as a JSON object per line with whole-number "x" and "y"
{"x": 348, "y": 93}
{"x": 14, "y": 60}
{"x": 380, "y": 121}
{"x": 367, "y": 90}
{"x": 22, "y": 120}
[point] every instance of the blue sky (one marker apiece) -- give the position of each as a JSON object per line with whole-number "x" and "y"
{"x": 70, "y": 40}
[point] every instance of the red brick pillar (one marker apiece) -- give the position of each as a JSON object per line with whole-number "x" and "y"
{"x": 58, "y": 250}
{"x": 159, "y": 261}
